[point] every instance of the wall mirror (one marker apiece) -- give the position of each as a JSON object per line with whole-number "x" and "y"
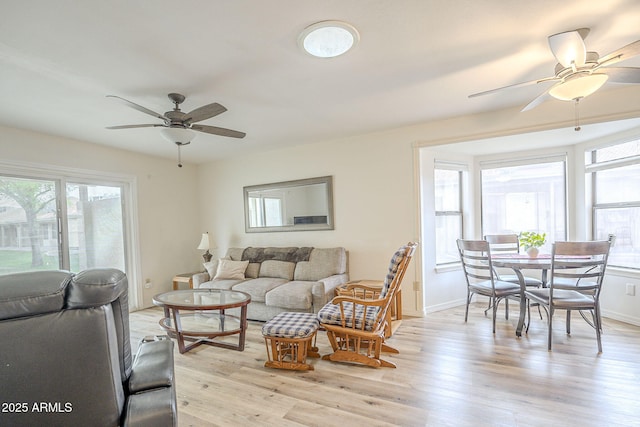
{"x": 300, "y": 205}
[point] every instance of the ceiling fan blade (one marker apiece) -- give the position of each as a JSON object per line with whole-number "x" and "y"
{"x": 537, "y": 101}
{"x": 138, "y": 107}
{"x": 622, "y": 74}
{"x": 569, "y": 48}
{"x": 134, "y": 126}
{"x": 218, "y": 131}
{"x": 204, "y": 112}
{"x": 486, "y": 92}
{"x": 622, "y": 54}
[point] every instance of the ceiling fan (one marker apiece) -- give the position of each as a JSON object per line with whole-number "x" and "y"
{"x": 580, "y": 73}
{"x": 178, "y": 126}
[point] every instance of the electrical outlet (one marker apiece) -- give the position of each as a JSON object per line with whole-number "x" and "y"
{"x": 631, "y": 289}
{"x": 148, "y": 284}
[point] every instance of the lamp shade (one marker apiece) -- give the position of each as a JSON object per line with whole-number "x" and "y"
{"x": 204, "y": 242}
{"x": 178, "y": 135}
{"x": 580, "y": 86}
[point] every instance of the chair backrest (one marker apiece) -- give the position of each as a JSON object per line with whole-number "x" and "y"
{"x": 475, "y": 256}
{"x": 397, "y": 267}
{"x": 68, "y": 334}
{"x": 580, "y": 261}
{"x": 503, "y": 242}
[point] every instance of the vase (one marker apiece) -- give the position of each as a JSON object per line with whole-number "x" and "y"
{"x": 532, "y": 252}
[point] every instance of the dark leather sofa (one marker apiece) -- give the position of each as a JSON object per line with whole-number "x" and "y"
{"x": 65, "y": 354}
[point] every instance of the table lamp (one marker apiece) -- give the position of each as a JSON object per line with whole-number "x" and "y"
{"x": 205, "y": 245}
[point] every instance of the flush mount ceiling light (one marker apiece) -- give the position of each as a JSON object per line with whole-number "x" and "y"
{"x": 328, "y": 39}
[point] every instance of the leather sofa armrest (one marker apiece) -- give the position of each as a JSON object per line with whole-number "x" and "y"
{"x": 153, "y": 366}
{"x": 154, "y": 408}
{"x": 199, "y": 279}
{"x": 152, "y": 394}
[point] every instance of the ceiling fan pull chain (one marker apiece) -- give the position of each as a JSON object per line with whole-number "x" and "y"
{"x": 577, "y": 116}
{"x": 179, "y": 155}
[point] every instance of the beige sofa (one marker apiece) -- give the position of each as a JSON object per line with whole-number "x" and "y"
{"x": 278, "y": 279}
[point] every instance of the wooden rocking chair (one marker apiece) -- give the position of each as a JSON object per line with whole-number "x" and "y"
{"x": 356, "y": 326}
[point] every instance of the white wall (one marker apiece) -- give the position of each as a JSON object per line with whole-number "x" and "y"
{"x": 168, "y": 218}
{"x": 374, "y": 203}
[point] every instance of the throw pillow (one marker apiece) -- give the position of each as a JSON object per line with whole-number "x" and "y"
{"x": 211, "y": 267}
{"x": 228, "y": 269}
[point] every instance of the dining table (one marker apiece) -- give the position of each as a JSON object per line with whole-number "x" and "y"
{"x": 519, "y": 262}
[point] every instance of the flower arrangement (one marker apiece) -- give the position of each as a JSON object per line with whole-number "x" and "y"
{"x": 531, "y": 241}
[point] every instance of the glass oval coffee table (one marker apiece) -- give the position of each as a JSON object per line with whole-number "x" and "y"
{"x": 205, "y": 318}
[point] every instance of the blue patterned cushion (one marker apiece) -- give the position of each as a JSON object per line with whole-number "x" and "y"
{"x": 330, "y": 314}
{"x": 396, "y": 259}
{"x": 291, "y": 325}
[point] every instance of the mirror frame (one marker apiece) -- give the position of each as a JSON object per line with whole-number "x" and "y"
{"x": 328, "y": 180}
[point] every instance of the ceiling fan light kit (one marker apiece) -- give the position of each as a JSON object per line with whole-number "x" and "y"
{"x": 178, "y": 135}
{"x": 328, "y": 39}
{"x": 578, "y": 86}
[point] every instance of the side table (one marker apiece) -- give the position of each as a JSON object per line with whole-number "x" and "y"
{"x": 184, "y": 278}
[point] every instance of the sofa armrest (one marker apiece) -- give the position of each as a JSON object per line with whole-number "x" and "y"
{"x": 152, "y": 395}
{"x": 152, "y": 367}
{"x": 199, "y": 279}
{"x": 324, "y": 290}
{"x": 154, "y": 408}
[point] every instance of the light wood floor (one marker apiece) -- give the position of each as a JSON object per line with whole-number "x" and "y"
{"x": 449, "y": 374}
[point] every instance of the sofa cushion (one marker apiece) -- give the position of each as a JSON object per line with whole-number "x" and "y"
{"x": 220, "y": 284}
{"x": 323, "y": 262}
{"x": 259, "y": 287}
{"x": 253, "y": 270}
{"x": 279, "y": 269}
{"x": 292, "y": 295}
{"x": 228, "y": 269}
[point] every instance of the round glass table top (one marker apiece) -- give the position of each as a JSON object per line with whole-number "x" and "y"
{"x": 202, "y": 299}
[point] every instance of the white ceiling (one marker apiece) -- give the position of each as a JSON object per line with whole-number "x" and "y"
{"x": 417, "y": 61}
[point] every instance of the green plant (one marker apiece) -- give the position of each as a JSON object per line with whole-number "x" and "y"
{"x": 531, "y": 239}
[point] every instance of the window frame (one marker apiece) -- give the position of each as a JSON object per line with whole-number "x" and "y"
{"x": 459, "y": 214}
{"x": 592, "y": 168}
{"x": 562, "y": 158}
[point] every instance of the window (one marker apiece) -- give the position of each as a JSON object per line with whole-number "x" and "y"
{"x": 448, "y": 211}
{"x": 59, "y": 224}
{"x": 615, "y": 185}
{"x": 525, "y": 195}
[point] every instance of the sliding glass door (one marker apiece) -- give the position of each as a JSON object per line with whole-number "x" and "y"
{"x": 59, "y": 224}
{"x": 94, "y": 226}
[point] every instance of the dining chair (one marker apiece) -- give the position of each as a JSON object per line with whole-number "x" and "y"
{"x": 481, "y": 278}
{"x": 583, "y": 262}
{"x": 509, "y": 243}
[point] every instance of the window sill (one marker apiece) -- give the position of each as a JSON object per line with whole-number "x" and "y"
{"x": 448, "y": 267}
{"x": 624, "y": 272}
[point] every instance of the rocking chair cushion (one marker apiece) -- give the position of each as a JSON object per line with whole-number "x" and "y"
{"x": 394, "y": 264}
{"x": 330, "y": 314}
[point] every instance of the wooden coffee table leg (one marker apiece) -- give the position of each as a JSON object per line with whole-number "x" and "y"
{"x": 178, "y": 327}
{"x": 243, "y": 327}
